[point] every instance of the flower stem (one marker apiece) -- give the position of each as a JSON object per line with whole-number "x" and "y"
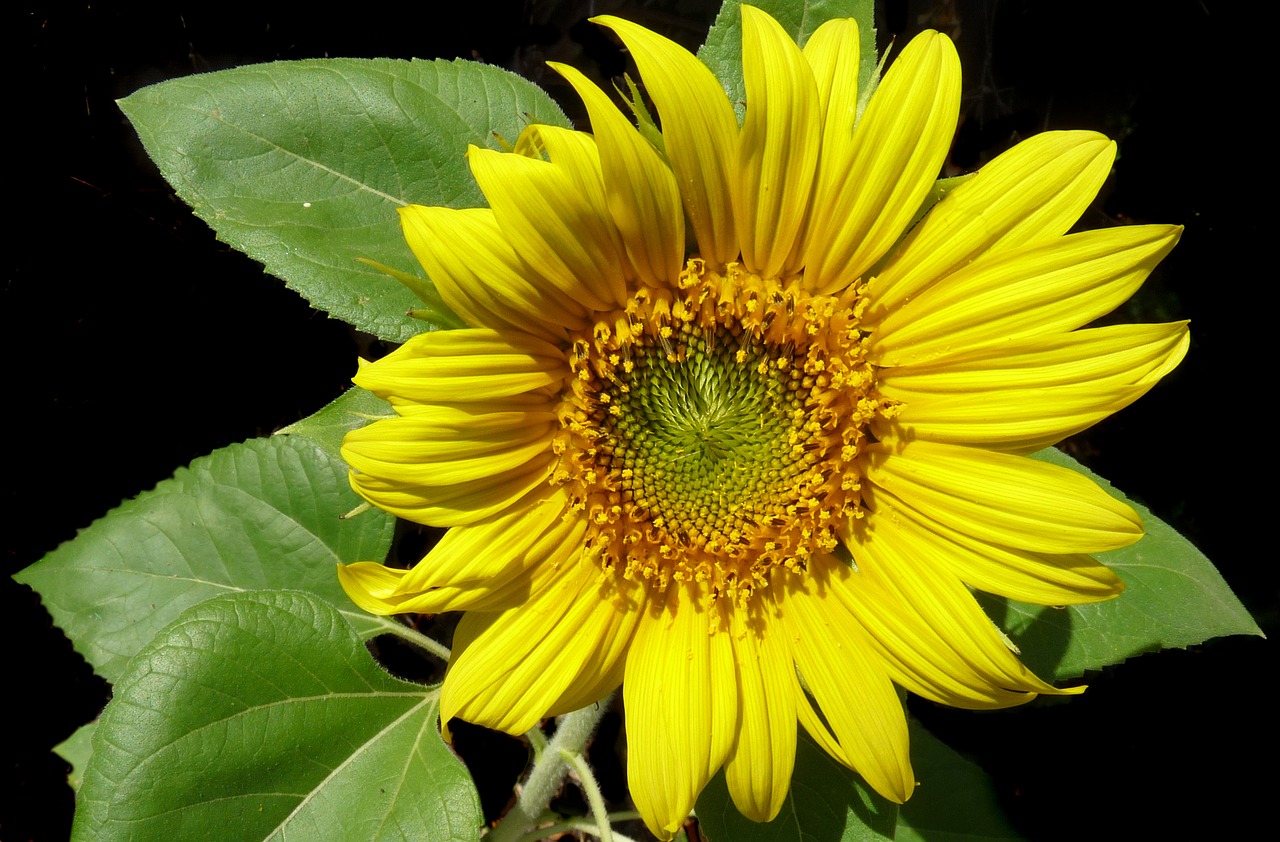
{"x": 592, "y": 790}
{"x": 419, "y": 639}
{"x": 572, "y": 732}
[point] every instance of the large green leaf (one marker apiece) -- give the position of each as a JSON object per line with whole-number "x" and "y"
{"x": 301, "y": 165}
{"x": 827, "y": 803}
{"x": 263, "y": 514}
{"x": 1174, "y": 598}
{"x": 722, "y": 51}
{"x": 955, "y": 802}
{"x": 261, "y": 716}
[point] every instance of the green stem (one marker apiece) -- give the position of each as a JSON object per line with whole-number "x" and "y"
{"x": 592, "y": 790}
{"x": 572, "y": 732}
{"x": 419, "y": 639}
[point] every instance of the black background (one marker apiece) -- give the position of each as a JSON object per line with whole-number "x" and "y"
{"x": 136, "y": 342}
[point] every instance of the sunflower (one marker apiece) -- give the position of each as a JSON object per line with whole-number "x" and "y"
{"x": 730, "y": 428}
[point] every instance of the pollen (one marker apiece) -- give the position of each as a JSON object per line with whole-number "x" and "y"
{"x": 715, "y": 440}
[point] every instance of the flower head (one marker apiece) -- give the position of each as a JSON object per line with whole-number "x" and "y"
{"x": 751, "y": 473}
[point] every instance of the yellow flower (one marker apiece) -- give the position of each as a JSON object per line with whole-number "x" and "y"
{"x": 753, "y": 480}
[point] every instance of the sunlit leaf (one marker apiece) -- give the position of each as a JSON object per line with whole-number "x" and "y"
{"x": 263, "y": 514}
{"x": 301, "y": 165}
{"x": 261, "y": 716}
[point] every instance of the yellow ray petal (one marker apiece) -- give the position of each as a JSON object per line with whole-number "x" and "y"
{"x": 700, "y": 132}
{"x": 1028, "y": 196}
{"x": 639, "y": 188}
{"x": 1022, "y": 293}
{"x": 463, "y": 365}
{"x": 896, "y": 154}
{"x": 1040, "y": 578}
{"x": 514, "y": 671}
{"x": 758, "y": 769}
{"x": 472, "y": 567}
{"x": 457, "y": 504}
{"x": 1116, "y": 353}
{"x": 480, "y": 277}
{"x": 1003, "y": 499}
{"x": 914, "y": 574}
{"x": 851, "y": 687}
{"x": 552, "y": 214}
{"x": 863, "y": 608}
{"x": 778, "y": 147}
{"x": 421, "y": 451}
{"x": 1026, "y": 397}
{"x": 674, "y": 740}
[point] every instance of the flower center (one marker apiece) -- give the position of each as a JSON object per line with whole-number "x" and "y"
{"x": 711, "y": 431}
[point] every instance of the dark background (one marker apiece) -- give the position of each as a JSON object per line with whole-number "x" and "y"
{"x": 136, "y": 342}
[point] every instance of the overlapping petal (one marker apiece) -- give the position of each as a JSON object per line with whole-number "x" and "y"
{"x": 700, "y": 132}
{"x": 512, "y": 668}
{"x": 1003, "y": 499}
{"x": 481, "y": 278}
{"x": 1024, "y": 292}
{"x": 778, "y": 147}
{"x": 896, "y": 153}
{"x": 1027, "y": 196}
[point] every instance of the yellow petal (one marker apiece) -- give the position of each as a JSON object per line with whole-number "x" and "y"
{"x": 440, "y": 448}
{"x": 851, "y": 687}
{"x": 1040, "y": 578}
{"x": 778, "y": 148}
{"x": 1030, "y": 195}
{"x": 464, "y": 366}
{"x": 457, "y": 504}
{"x": 552, "y": 213}
{"x": 758, "y": 769}
{"x": 676, "y": 736}
{"x": 1003, "y": 499}
{"x": 700, "y": 132}
{"x": 514, "y": 670}
{"x": 479, "y": 276}
{"x": 936, "y": 639}
{"x": 1022, "y": 293}
{"x": 1029, "y": 394}
{"x": 639, "y": 188}
{"x": 896, "y": 154}
{"x": 486, "y": 566}
{"x": 864, "y": 608}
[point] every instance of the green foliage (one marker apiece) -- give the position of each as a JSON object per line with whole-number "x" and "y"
{"x": 722, "y": 51}
{"x": 261, "y": 715}
{"x": 302, "y": 164}
{"x": 828, "y": 803}
{"x": 263, "y": 514}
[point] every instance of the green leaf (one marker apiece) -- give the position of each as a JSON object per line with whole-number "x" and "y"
{"x": 722, "y": 51}
{"x": 827, "y": 803}
{"x": 263, "y": 514}
{"x": 355, "y": 408}
{"x": 76, "y": 750}
{"x": 1174, "y": 598}
{"x": 261, "y": 716}
{"x": 301, "y": 165}
{"x": 955, "y": 802}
